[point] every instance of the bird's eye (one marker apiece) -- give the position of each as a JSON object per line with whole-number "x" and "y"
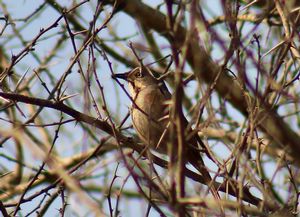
{"x": 138, "y": 74}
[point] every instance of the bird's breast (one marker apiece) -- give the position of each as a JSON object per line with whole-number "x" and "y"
{"x": 147, "y": 112}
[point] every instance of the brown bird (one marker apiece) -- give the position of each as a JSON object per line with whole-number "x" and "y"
{"x": 150, "y": 118}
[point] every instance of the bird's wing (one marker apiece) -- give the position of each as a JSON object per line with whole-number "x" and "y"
{"x": 164, "y": 90}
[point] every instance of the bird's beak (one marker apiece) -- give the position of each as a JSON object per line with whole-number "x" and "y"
{"x": 123, "y": 76}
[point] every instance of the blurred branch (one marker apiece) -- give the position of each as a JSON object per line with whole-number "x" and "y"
{"x": 104, "y": 126}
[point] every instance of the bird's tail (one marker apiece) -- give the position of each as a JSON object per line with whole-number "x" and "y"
{"x": 196, "y": 160}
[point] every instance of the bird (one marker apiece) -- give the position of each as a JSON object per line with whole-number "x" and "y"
{"x": 150, "y": 115}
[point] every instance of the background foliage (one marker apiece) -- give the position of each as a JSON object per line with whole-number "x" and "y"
{"x": 67, "y": 144}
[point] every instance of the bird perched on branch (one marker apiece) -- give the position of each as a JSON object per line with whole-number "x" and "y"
{"x": 151, "y": 120}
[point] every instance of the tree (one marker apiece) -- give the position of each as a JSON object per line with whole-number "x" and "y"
{"x": 66, "y": 139}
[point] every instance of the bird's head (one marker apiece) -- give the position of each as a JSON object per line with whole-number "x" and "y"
{"x": 138, "y": 78}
